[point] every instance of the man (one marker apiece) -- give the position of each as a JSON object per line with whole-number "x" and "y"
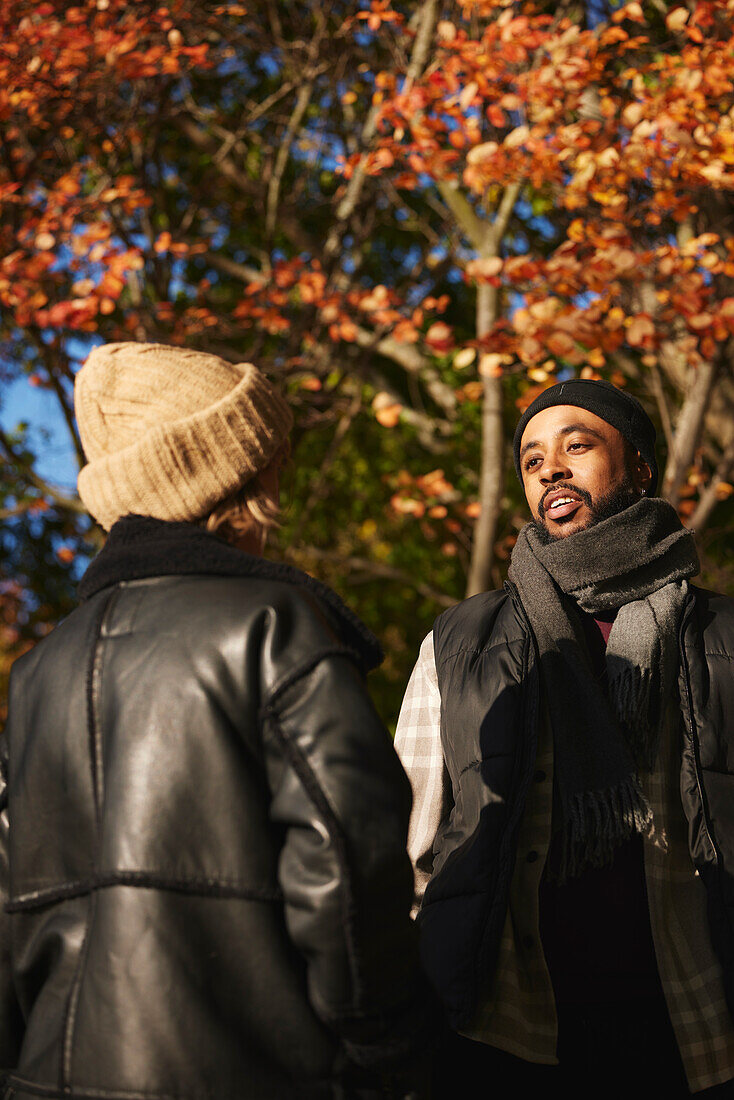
{"x": 570, "y": 742}
{"x": 209, "y": 891}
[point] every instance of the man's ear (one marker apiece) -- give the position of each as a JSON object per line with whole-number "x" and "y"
{"x": 642, "y": 474}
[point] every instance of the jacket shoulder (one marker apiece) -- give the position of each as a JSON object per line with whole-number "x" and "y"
{"x": 66, "y": 637}
{"x": 215, "y": 608}
{"x": 714, "y": 616}
{"x": 485, "y": 619}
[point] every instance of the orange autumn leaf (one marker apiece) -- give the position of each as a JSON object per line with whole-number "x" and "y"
{"x": 641, "y": 330}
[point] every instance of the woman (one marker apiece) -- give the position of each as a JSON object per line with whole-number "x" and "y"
{"x": 209, "y": 891}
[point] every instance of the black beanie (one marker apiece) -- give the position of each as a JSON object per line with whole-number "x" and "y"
{"x": 620, "y": 409}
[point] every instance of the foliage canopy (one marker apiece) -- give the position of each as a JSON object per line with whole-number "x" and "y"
{"x": 414, "y": 216}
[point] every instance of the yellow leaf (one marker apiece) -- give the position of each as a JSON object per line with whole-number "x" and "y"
{"x": 484, "y": 268}
{"x": 490, "y": 365}
{"x": 45, "y": 241}
{"x": 676, "y": 19}
{"x": 467, "y": 95}
{"x": 517, "y": 137}
{"x": 464, "y": 358}
{"x": 482, "y": 152}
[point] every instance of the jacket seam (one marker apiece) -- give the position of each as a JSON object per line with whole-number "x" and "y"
{"x": 73, "y": 1002}
{"x": 293, "y": 675}
{"x": 506, "y": 642}
{"x": 221, "y": 888}
{"x": 94, "y": 670}
{"x": 51, "y": 1091}
{"x": 311, "y": 785}
{"x": 92, "y": 693}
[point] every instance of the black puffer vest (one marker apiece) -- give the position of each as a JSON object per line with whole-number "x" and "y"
{"x": 490, "y": 692}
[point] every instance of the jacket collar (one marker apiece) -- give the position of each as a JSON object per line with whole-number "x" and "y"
{"x": 139, "y": 547}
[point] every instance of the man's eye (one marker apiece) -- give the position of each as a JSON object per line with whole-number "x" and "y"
{"x": 577, "y": 444}
{"x": 530, "y": 463}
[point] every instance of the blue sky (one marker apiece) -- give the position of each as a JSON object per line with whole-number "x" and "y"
{"x": 48, "y": 434}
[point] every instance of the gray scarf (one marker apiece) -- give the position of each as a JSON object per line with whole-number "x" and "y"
{"x": 636, "y": 561}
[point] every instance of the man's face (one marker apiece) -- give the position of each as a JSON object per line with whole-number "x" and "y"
{"x": 576, "y": 470}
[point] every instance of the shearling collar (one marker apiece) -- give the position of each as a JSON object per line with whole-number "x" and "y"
{"x": 140, "y": 547}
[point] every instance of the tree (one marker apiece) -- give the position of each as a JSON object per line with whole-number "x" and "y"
{"x": 414, "y": 216}
{"x": 625, "y": 134}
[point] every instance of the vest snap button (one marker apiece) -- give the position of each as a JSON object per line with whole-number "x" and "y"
{"x": 531, "y": 857}
{"x": 539, "y": 776}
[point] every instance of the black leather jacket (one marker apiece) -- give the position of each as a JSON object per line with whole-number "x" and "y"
{"x": 208, "y": 886}
{"x": 488, "y": 678}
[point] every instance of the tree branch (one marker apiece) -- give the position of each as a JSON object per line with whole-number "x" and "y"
{"x": 492, "y": 470}
{"x": 232, "y": 267}
{"x": 413, "y": 362}
{"x": 17, "y": 509}
{"x": 372, "y": 569}
{"x": 491, "y": 475}
{"x": 419, "y": 57}
{"x": 72, "y": 504}
{"x": 66, "y": 408}
{"x": 406, "y": 356}
{"x": 663, "y": 407}
{"x": 317, "y": 491}
{"x": 471, "y": 225}
{"x": 301, "y": 106}
{"x": 271, "y": 208}
{"x": 226, "y": 167}
{"x": 426, "y": 18}
{"x": 688, "y": 429}
{"x": 709, "y": 497}
{"x": 504, "y": 213}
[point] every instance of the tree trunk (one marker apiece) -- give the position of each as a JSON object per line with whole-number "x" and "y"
{"x": 491, "y": 478}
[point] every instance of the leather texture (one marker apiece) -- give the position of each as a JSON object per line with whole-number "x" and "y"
{"x": 489, "y": 685}
{"x": 208, "y": 886}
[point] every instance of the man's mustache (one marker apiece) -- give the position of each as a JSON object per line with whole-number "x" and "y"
{"x": 583, "y": 494}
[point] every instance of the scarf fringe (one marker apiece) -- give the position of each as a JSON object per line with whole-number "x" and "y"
{"x": 634, "y": 695}
{"x": 636, "y": 561}
{"x": 597, "y": 822}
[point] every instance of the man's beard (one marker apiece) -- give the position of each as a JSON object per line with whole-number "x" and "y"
{"x": 605, "y": 507}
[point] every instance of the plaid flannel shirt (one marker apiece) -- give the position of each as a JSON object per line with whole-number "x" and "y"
{"x": 517, "y": 1012}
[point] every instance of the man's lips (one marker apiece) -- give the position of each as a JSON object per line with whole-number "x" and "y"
{"x": 560, "y": 504}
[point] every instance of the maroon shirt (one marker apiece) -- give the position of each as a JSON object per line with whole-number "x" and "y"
{"x": 596, "y": 928}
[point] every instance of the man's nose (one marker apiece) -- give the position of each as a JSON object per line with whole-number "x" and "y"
{"x": 554, "y": 469}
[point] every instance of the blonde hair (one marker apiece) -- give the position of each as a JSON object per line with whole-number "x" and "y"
{"x": 250, "y": 512}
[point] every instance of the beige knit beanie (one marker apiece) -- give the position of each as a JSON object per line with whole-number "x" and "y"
{"x": 170, "y": 432}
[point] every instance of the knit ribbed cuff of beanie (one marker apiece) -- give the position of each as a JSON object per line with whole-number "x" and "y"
{"x": 179, "y": 469}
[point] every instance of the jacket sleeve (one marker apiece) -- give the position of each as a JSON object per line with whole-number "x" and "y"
{"x": 343, "y": 800}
